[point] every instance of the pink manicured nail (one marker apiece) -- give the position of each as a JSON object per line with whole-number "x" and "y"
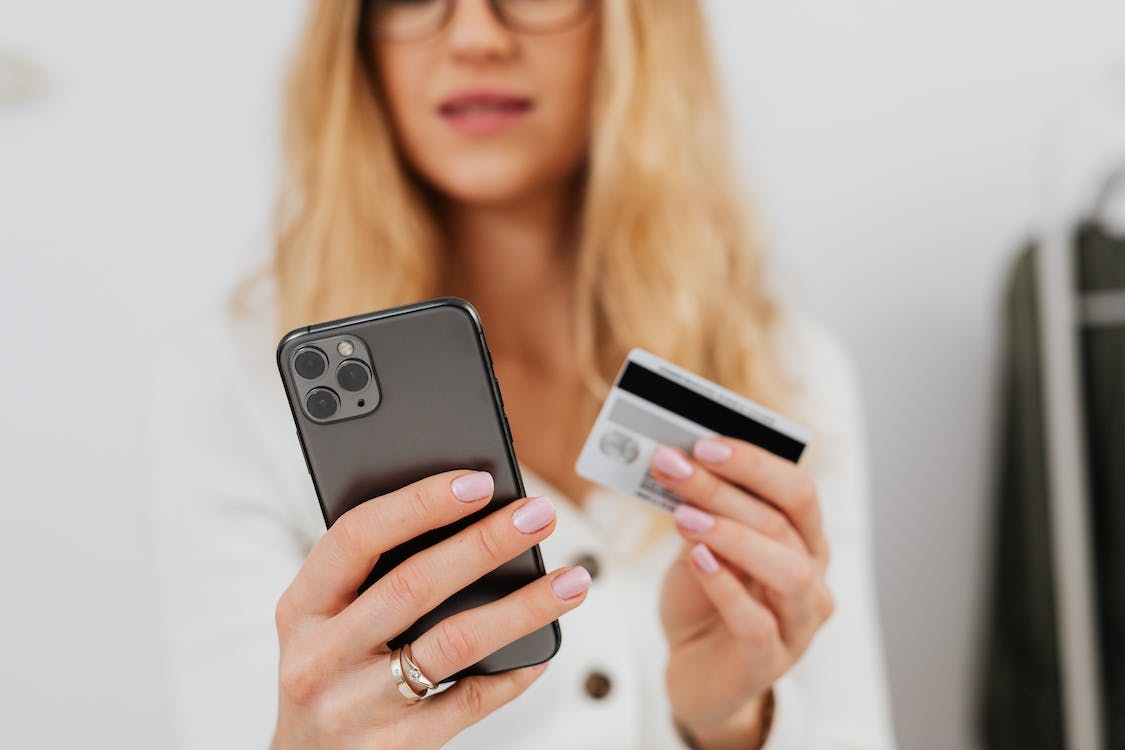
{"x": 472, "y": 486}
{"x": 571, "y": 583}
{"x": 712, "y": 451}
{"x": 534, "y": 516}
{"x": 692, "y": 518}
{"x": 671, "y": 463}
{"x": 704, "y": 560}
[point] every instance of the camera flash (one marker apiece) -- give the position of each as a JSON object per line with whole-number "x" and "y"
{"x": 345, "y": 348}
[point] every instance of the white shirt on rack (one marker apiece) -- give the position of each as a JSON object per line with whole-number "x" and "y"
{"x": 235, "y": 514}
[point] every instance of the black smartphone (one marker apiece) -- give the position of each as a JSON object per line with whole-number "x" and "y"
{"x": 383, "y": 399}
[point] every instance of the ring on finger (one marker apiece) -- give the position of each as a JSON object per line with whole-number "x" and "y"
{"x": 414, "y": 672}
{"x": 402, "y": 667}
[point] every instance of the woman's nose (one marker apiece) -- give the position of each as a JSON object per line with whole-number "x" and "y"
{"x": 476, "y": 35}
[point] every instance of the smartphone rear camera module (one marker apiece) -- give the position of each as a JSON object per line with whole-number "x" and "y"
{"x": 353, "y": 375}
{"x": 310, "y": 363}
{"x": 331, "y": 386}
{"x": 322, "y": 403}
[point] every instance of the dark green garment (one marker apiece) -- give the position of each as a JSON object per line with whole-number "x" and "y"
{"x": 1021, "y": 695}
{"x": 1102, "y": 268}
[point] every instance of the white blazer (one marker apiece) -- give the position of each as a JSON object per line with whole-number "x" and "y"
{"x": 235, "y": 514}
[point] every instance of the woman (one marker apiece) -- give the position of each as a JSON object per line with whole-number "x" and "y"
{"x": 563, "y": 165}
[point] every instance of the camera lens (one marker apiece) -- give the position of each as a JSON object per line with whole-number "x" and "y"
{"x": 310, "y": 363}
{"x": 321, "y": 403}
{"x": 353, "y": 376}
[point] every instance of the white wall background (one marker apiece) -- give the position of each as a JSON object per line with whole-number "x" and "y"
{"x": 895, "y": 147}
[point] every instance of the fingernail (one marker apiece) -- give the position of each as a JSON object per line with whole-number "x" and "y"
{"x": 571, "y": 582}
{"x": 472, "y": 486}
{"x": 671, "y": 463}
{"x": 692, "y": 518}
{"x": 703, "y": 559}
{"x": 712, "y": 451}
{"x": 534, "y": 515}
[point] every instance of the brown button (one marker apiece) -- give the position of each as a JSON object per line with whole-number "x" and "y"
{"x": 589, "y": 562}
{"x": 597, "y": 685}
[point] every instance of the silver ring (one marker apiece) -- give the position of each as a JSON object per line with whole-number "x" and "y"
{"x": 404, "y": 670}
{"x": 400, "y": 681}
{"x": 414, "y": 672}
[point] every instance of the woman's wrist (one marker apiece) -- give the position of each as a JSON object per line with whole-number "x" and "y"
{"x": 748, "y": 729}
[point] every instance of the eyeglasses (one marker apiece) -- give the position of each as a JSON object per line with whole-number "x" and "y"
{"x": 413, "y": 20}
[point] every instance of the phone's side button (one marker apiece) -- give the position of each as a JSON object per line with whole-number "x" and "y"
{"x": 304, "y": 453}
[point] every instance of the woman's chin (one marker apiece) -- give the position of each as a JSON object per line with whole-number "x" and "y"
{"x": 487, "y": 187}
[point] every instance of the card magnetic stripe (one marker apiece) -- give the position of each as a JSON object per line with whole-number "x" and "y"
{"x": 678, "y": 399}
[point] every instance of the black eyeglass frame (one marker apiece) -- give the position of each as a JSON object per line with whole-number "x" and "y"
{"x": 369, "y": 31}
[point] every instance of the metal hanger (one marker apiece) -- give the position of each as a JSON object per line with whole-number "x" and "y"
{"x": 1111, "y": 186}
{"x": 1104, "y": 308}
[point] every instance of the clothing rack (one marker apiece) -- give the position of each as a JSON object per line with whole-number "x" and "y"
{"x": 1062, "y": 319}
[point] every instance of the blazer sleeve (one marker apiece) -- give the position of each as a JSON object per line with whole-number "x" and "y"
{"x": 835, "y": 697}
{"x": 227, "y": 539}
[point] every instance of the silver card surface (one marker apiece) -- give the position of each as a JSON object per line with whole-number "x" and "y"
{"x": 652, "y": 403}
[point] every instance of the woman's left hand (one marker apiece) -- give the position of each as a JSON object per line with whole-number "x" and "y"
{"x": 743, "y": 600}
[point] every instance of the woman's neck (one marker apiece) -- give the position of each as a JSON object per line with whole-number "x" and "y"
{"x": 515, "y": 263}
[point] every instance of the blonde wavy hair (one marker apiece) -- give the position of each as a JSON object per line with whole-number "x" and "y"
{"x": 666, "y": 260}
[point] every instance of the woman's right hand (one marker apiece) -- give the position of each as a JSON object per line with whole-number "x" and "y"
{"x": 335, "y": 686}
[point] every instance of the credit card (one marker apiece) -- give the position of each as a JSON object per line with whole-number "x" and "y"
{"x": 652, "y": 403}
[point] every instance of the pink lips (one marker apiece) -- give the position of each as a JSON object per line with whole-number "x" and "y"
{"x": 483, "y": 112}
